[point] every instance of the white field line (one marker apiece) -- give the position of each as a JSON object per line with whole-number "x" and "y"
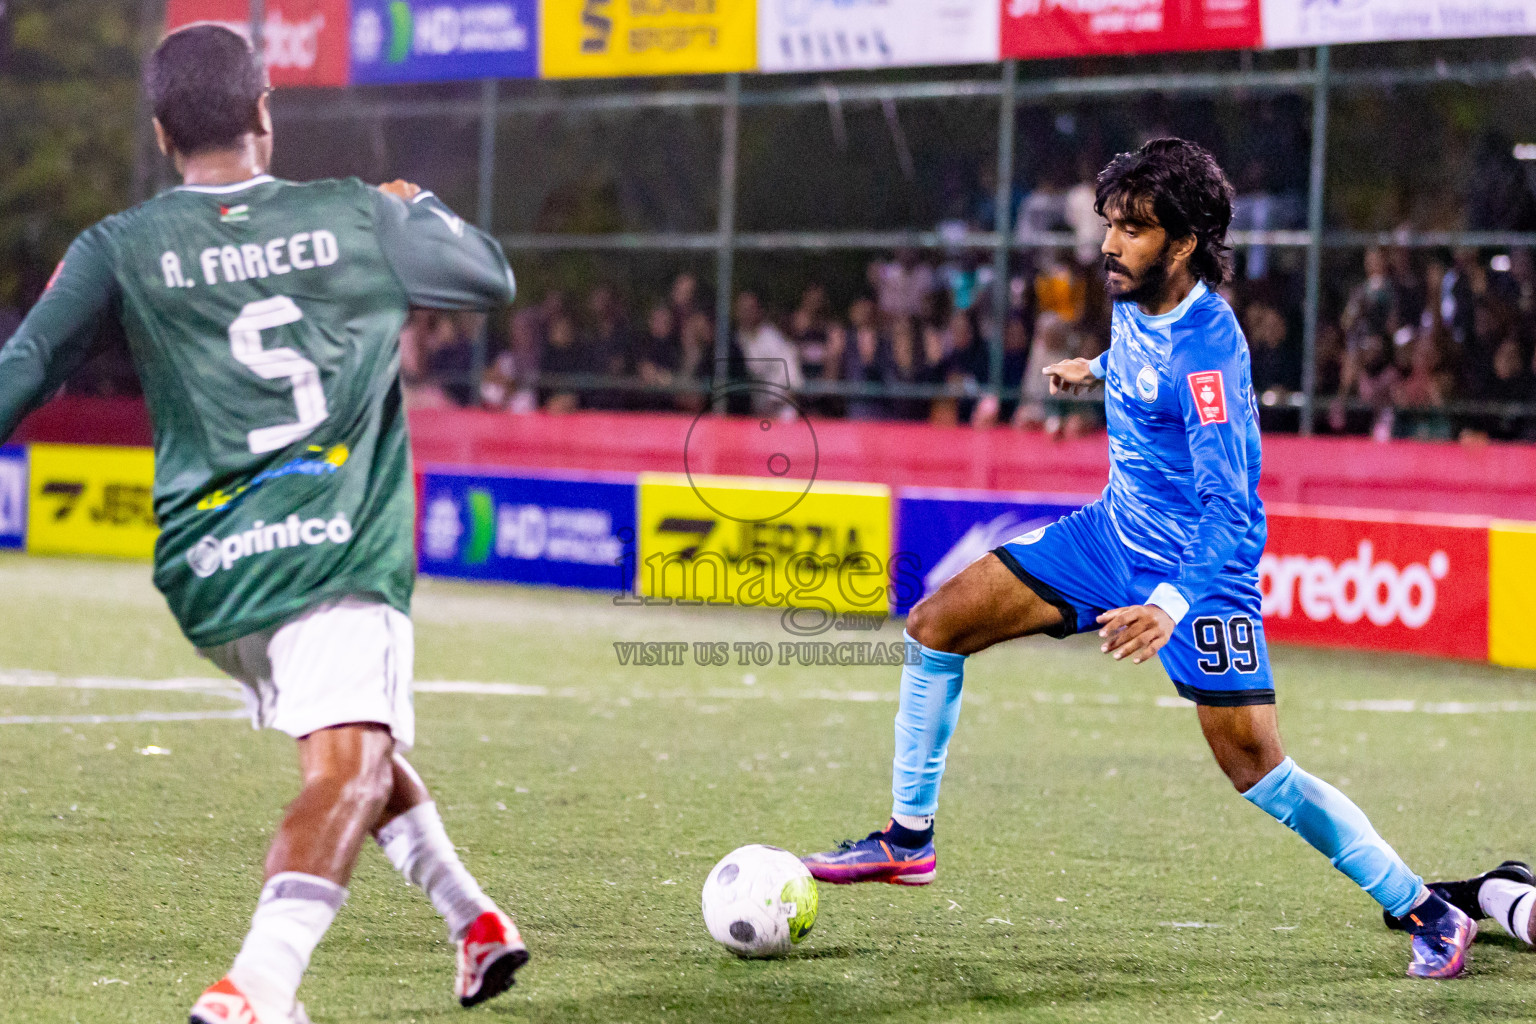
{"x": 228, "y": 689}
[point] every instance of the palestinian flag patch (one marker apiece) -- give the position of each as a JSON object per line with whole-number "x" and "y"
{"x": 234, "y": 214}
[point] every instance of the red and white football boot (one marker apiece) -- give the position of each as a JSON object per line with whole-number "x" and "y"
{"x": 224, "y": 1003}
{"x": 489, "y": 955}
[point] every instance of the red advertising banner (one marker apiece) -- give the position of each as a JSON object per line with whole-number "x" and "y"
{"x": 1078, "y": 28}
{"x": 306, "y": 40}
{"x": 1411, "y": 583}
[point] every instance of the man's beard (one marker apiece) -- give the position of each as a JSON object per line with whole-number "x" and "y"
{"x": 1152, "y": 281}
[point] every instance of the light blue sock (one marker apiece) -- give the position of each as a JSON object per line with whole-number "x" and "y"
{"x": 1340, "y": 831}
{"x": 930, "y": 707}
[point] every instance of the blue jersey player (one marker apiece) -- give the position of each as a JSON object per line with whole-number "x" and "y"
{"x": 1164, "y": 563}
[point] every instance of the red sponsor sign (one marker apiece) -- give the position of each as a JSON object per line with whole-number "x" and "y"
{"x": 305, "y": 40}
{"x": 1210, "y": 396}
{"x": 1077, "y": 28}
{"x": 1410, "y": 583}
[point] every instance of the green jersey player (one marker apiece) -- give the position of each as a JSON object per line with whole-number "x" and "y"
{"x": 264, "y": 319}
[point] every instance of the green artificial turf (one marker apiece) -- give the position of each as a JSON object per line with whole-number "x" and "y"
{"x": 1094, "y": 865}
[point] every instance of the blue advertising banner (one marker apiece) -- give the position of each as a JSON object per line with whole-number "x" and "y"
{"x": 563, "y": 530}
{"x": 940, "y": 531}
{"x": 443, "y": 40}
{"x": 13, "y": 497}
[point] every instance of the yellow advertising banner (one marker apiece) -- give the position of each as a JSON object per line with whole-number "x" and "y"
{"x": 1511, "y": 597}
{"x": 86, "y": 500}
{"x": 610, "y": 38}
{"x": 772, "y": 543}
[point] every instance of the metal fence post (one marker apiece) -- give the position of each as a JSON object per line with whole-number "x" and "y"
{"x": 485, "y": 210}
{"x": 725, "y": 254}
{"x": 1311, "y": 307}
{"x": 259, "y": 29}
{"x": 1003, "y": 220}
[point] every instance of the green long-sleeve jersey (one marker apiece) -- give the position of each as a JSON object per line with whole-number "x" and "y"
{"x": 264, "y": 319}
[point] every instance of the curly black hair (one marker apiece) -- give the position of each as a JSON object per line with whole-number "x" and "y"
{"x": 1178, "y": 186}
{"x": 204, "y": 84}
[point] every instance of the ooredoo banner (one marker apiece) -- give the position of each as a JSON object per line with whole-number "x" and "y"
{"x": 1409, "y": 583}
{"x": 1315, "y": 22}
{"x": 1073, "y": 28}
{"x": 602, "y": 38}
{"x": 802, "y": 35}
{"x": 426, "y": 41}
{"x": 306, "y": 40}
{"x": 564, "y": 530}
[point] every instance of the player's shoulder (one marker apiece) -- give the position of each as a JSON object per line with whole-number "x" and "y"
{"x": 1209, "y": 330}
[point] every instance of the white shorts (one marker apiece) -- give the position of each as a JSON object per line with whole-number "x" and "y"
{"x": 342, "y": 661}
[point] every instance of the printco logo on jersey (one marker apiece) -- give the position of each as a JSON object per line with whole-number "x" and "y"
{"x": 1356, "y": 588}
{"x": 211, "y": 554}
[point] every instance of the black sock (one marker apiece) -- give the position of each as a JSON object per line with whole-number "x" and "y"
{"x": 908, "y": 838}
{"x": 1427, "y": 916}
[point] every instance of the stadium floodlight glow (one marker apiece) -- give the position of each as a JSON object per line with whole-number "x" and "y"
{"x": 1525, "y": 151}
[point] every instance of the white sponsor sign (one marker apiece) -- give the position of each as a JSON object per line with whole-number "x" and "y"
{"x": 1313, "y": 22}
{"x": 802, "y": 35}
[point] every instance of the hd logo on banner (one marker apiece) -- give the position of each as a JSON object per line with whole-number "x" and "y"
{"x": 85, "y": 500}
{"x": 431, "y": 41}
{"x": 13, "y": 497}
{"x": 823, "y": 35}
{"x": 602, "y": 38}
{"x": 764, "y": 543}
{"x": 556, "y": 530}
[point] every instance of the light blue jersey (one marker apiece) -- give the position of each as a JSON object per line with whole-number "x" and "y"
{"x": 1183, "y": 444}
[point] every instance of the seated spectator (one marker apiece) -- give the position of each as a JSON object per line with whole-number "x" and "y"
{"x": 1371, "y": 303}
{"x": 1038, "y": 408}
{"x": 992, "y": 407}
{"x": 611, "y": 347}
{"x": 564, "y": 354}
{"x": 770, "y": 358}
{"x": 815, "y": 336}
{"x": 437, "y": 355}
{"x": 1421, "y": 392}
{"x": 864, "y": 359}
{"x": 658, "y": 358}
{"x": 509, "y": 381}
{"x": 901, "y": 284}
{"x": 1370, "y": 376}
{"x": 1275, "y": 358}
{"x": 1060, "y": 287}
{"x": 1510, "y": 382}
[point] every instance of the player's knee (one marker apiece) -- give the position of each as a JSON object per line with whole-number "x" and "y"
{"x": 363, "y": 781}
{"x": 926, "y": 624}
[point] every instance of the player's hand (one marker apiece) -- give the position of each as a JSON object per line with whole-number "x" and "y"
{"x": 1137, "y": 632}
{"x": 1072, "y": 376}
{"x": 401, "y": 188}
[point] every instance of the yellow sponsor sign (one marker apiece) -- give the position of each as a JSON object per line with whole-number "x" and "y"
{"x": 604, "y": 38}
{"x": 85, "y": 500}
{"x": 745, "y": 541}
{"x": 1512, "y": 594}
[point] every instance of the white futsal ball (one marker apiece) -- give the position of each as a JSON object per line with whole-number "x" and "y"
{"x": 759, "y": 901}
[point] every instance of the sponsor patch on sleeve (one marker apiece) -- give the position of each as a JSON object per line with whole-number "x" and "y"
{"x": 1210, "y": 396}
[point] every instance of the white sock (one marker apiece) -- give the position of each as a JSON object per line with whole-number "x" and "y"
{"x": 418, "y": 846}
{"x": 915, "y": 822}
{"x": 1509, "y": 904}
{"x": 294, "y": 912}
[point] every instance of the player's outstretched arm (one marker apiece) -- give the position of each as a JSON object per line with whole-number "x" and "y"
{"x": 1072, "y": 376}
{"x": 57, "y": 335}
{"x": 442, "y": 262}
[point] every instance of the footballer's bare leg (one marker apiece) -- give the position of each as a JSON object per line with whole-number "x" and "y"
{"x": 346, "y": 783}
{"x": 1246, "y": 742}
{"x": 410, "y": 832}
{"x": 983, "y": 605}
{"x": 979, "y": 607}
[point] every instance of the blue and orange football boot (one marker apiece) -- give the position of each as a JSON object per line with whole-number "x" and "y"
{"x": 1441, "y": 936}
{"x": 875, "y": 859}
{"x": 1463, "y": 894}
